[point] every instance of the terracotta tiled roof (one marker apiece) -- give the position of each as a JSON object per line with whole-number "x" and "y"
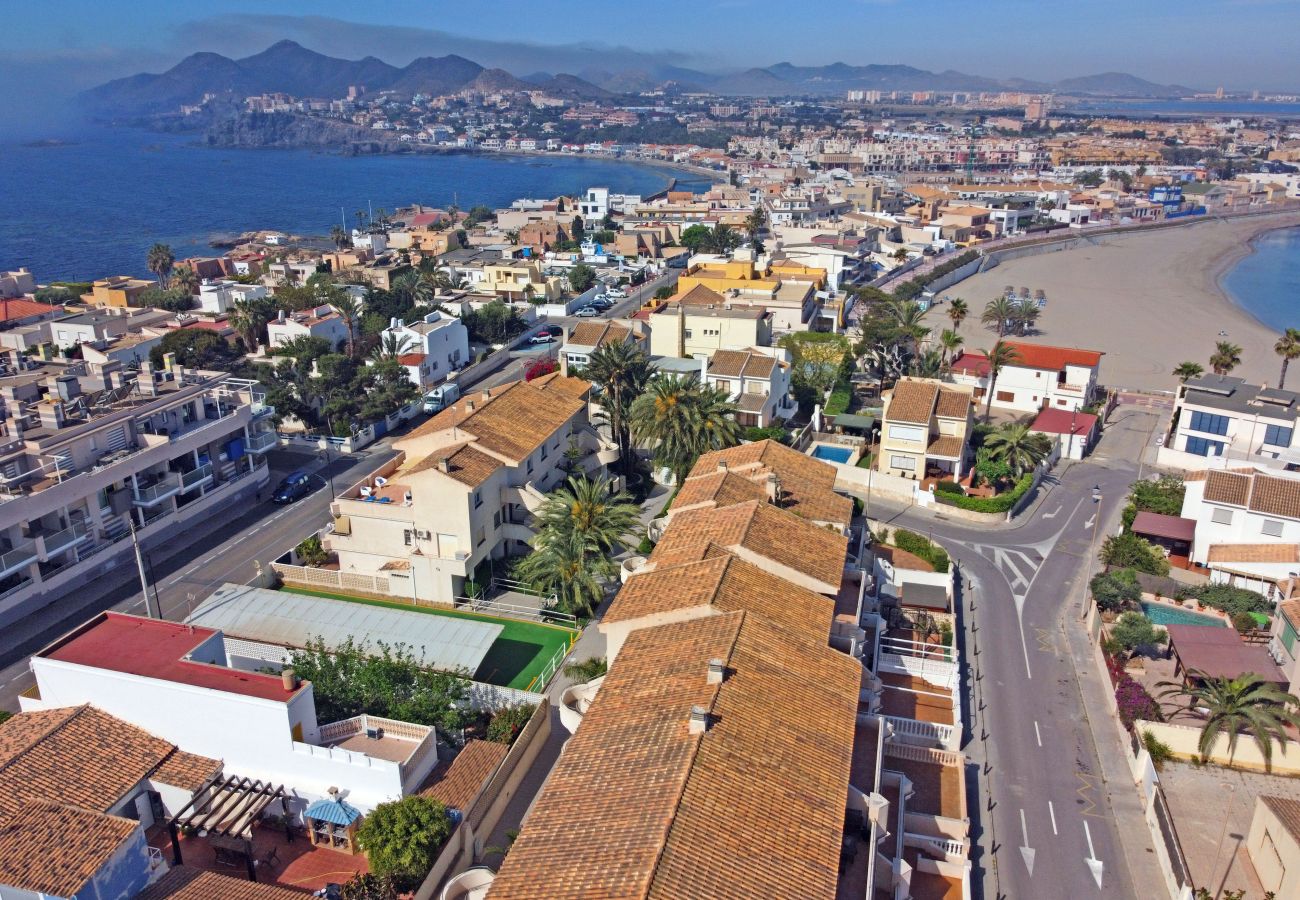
{"x": 1287, "y": 811}
{"x": 760, "y": 532}
{"x": 18, "y": 308}
{"x": 952, "y": 404}
{"x": 1291, "y": 610}
{"x": 1275, "y": 496}
{"x": 187, "y": 771}
{"x": 464, "y": 778}
{"x": 184, "y": 883}
{"x": 718, "y": 488}
{"x": 912, "y": 402}
{"x": 466, "y": 464}
{"x": 577, "y": 388}
{"x": 639, "y": 807}
{"x": 77, "y": 755}
{"x": 1253, "y": 553}
{"x": 751, "y": 403}
{"x": 807, "y": 484}
{"x": 411, "y": 359}
{"x": 1031, "y": 356}
{"x": 699, "y": 296}
{"x": 597, "y": 334}
{"x": 735, "y": 363}
{"x": 52, "y": 849}
{"x": 901, "y": 559}
{"x": 946, "y": 445}
{"x": 1226, "y": 487}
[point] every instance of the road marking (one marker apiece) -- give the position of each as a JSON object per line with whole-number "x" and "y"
{"x": 1088, "y": 524}
{"x": 1037, "y": 734}
{"x": 1088, "y": 785}
{"x": 1054, "y": 513}
{"x": 1094, "y": 864}
{"x": 1025, "y": 850}
{"x": 1051, "y": 810}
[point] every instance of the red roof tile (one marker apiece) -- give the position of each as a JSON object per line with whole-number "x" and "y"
{"x": 411, "y": 359}
{"x": 21, "y": 309}
{"x": 1062, "y": 421}
{"x": 1032, "y": 356}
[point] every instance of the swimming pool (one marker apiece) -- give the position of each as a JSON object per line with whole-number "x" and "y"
{"x": 1163, "y": 614}
{"x": 833, "y": 454}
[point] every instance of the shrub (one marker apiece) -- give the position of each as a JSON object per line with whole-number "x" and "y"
{"x": 1157, "y": 749}
{"x": 1229, "y": 599}
{"x": 508, "y": 721}
{"x": 402, "y": 838}
{"x": 311, "y": 551}
{"x": 949, "y": 487}
{"x": 1135, "y": 702}
{"x": 770, "y": 433}
{"x": 1134, "y": 630}
{"x": 919, "y": 546}
{"x": 838, "y": 402}
{"x": 540, "y": 367}
{"x": 1116, "y": 590}
{"x": 371, "y": 887}
{"x": 999, "y": 504}
{"x": 1244, "y": 622}
{"x": 587, "y": 670}
{"x": 1129, "y": 551}
{"x": 646, "y": 547}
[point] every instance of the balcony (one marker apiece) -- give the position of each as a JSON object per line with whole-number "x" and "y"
{"x": 196, "y": 477}
{"x": 262, "y": 441}
{"x": 167, "y": 485}
{"x": 21, "y": 556}
{"x": 62, "y": 540}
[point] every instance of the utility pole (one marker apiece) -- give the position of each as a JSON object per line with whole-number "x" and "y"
{"x": 139, "y": 562}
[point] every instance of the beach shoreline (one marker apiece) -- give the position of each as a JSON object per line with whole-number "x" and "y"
{"x": 1249, "y": 249}
{"x": 1147, "y": 300}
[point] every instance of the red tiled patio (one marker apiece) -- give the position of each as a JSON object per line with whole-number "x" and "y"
{"x": 295, "y": 865}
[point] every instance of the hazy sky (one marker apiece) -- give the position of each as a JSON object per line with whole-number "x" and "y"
{"x": 56, "y": 47}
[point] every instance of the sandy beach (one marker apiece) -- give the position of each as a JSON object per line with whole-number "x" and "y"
{"x": 1149, "y": 301}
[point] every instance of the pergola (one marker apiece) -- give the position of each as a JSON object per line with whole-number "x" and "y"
{"x": 225, "y": 811}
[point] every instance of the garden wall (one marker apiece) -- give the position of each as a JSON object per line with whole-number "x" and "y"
{"x": 1183, "y": 740}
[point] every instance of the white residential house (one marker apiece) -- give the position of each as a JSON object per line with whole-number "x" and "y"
{"x": 588, "y": 337}
{"x": 1042, "y": 377}
{"x": 594, "y": 205}
{"x": 757, "y": 380}
{"x": 440, "y": 341}
{"x": 218, "y": 296}
{"x": 1218, "y": 418}
{"x": 1247, "y": 526}
{"x": 321, "y": 322}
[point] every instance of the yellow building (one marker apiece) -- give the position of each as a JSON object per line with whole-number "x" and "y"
{"x": 788, "y": 290}
{"x": 701, "y": 322}
{"x": 117, "y": 290}
{"x": 521, "y": 279}
{"x": 925, "y": 427}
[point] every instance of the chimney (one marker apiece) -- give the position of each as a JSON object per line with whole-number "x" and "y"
{"x": 681, "y": 330}
{"x": 51, "y": 414}
{"x": 444, "y": 464}
{"x": 68, "y": 387}
{"x": 288, "y": 680}
{"x": 722, "y": 465}
{"x": 564, "y": 365}
{"x": 279, "y": 316}
{"x": 169, "y": 362}
{"x": 486, "y": 395}
{"x": 469, "y": 406}
{"x": 717, "y": 671}
{"x": 773, "y": 488}
{"x": 699, "y": 720}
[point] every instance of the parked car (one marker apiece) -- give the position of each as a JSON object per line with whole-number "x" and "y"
{"x": 616, "y": 293}
{"x": 602, "y": 305}
{"x": 553, "y": 330}
{"x": 587, "y": 312}
{"x": 295, "y": 485}
{"x": 440, "y": 397}
{"x": 542, "y": 337}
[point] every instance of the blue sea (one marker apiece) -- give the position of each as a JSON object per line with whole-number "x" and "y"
{"x": 1267, "y": 282}
{"x": 94, "y": 207}
{"x": 1224, "y": 108}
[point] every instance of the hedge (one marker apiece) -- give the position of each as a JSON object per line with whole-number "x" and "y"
{"x": 999, "y": 504}
{"x": 948, "y": 486}
{"x": 927, "y": 550}
{"x": 912, "y": 288}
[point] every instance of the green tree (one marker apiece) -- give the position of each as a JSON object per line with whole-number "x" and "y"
{"x": 998, "y": 313}
{"x": 909, "y": 320}
{"x": 172, "y": 299}
{"x": 1246, "y": 704}
{"x": 1134, "y": 630}
{"x": 1021, "y": 449}
{"x": 509, "y": 721}
{"x": 815, "y": 359}
{"x": 159, "y": 261}
{"x": 957, "y": 312}
{"x": 195, "y": 349}
{"x": 695, "y": 237}
{"x": 1128, "y": 551}
{"x": 349, "y": 311}
{"x": 1185, "y": 370}
{"x": 620, "y": 372}
{"x": 951, "y": 342}
{"x": 681, "y": 419}
{"x": 494, "y": 323}
{"x": 478, "y": 215}
{"x": 185, "y": 279}
{"x": 391, "y": 346}
{"x": 577, "y": 231}
{"x": 339, "y": 237}
{"x": 1287, "y": 347}
{"x": 371, "y": 887}
{"x": 1090, "y": 178}
{"x": 1000, "y": 355}
{"x": 569, "y": 568}
{"x": 1225, "y": 358}
{"x": 1116, "y": 590}
{"x": 581, "y": 278}
{"x": 402, "y": 838}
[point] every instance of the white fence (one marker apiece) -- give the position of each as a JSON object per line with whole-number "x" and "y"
{"x": 922, "y": 733}
{"x": 932, "y": 671}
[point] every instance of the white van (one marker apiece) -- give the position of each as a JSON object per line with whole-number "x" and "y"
{"x": 441, "y": 397}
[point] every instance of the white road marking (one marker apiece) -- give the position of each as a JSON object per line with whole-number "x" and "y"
{"x": 1052, "y": 812}
{"x": 1026, "y": 851}
{"x": 1095, "y": 865}
{"x": 1054, "y": 513}
{"x": 1088, "y": 524}
{"x": 1037, "y": 734}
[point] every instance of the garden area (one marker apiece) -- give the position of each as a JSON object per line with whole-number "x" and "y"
{"x": 1005, "y": 459}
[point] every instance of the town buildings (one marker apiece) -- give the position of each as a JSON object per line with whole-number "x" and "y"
{"x": 1219, "y": 418}
{"x": 925, "y": 430}
{"x": 430, "y": 348}
{"x": 1040, "y": 377}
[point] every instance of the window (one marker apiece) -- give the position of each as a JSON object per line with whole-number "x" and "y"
{"x": 543, "y": 451}
{"x": 1209, "y": 423}
{"x": 907, "y": 433}
{"x": 482, "y": 536}
{"x": 1006, "y": 396}
{"x": 1221, "y": 517}
{"x": 496, "y": 519}
{"x": 478, "y": 499}
{"x": 1278, "y": 435}
{"x": 530, "y": 466}
{"x": 1203, "y": 447}
{"x": 1271, "y": 527}
{"x": 906, "y": 463}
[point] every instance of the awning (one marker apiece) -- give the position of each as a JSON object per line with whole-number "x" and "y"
{"x": 1170, "y": 528}
{"x": 858, "y": 423}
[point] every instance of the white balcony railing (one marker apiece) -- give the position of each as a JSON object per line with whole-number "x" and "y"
{"x": 20, "y": 556}
{"x": 62, "y": 540}
{"x": 262, "y": 441}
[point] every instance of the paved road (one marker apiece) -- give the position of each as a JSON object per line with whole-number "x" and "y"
{"x": 1041, "y": 786}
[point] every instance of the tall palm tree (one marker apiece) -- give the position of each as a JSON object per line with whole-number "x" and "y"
{"x": 349, "y": 311}
{"x": 957, "y": 311}
{"x": 568, "y": 568}
{"x": 682, "y": 419}
{"x": 928, "y": 364}
{"x": 339, "y": 237}
{"x": 185, "y": 278}
{"x": 392, "y": 345}
{"x": 1021, "y": 449}
{"x": 1287, "y": 347}
{"x": 160, "y": 260}
{"x": 1225, "y": 358}
{"x": 910, "y": 321}
{"x": 997, "y": 313}
{"x": 1025, "y": 315}
{"x": 249, "y": 318}
{"x": 1246, "y": 703}
{"x": 1186, "y": 370}
{"x": 999, "y": 356}
{"x": 621, "y": 372}
{"x": 951, "y": 342}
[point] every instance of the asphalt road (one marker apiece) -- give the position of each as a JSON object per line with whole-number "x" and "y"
{"x": 1040, "y": 816}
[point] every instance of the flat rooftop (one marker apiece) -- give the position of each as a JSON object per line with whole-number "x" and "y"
{"x": 150, "y": 648}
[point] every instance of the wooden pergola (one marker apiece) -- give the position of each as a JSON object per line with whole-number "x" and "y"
{"x": 227, "y": 810}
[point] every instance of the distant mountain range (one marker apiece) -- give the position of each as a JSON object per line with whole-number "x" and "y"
{"x": 290, "y": 68}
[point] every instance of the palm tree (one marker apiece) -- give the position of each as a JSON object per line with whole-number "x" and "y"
{"x": 1026, "y": 314}
{"x": 999, "y": 356}
{"x": 349, "y": 311}
{"x": 185, "y": 278}
{"x": 621, "y": 372}
{"x": 957, "y": 311}
{"x": 1246, "y": 703}
{"x": 567, "y": 568}
{"x": 997, "y": 313}
{"x": 160, "y": 260}
{"x": 1021, "y": 449}
{"x": 910, "y": 320}
{"x": 249, "y": 318}
{"x": 951, "y": 342}
{"x": 1287, "y": 347}
{"x": 928, "y": 364}
{"x": 1225, "y": 358}
{"x": 339, "y": 237}
{"x": 682, "y": 419}
{"x": 1186, "y": 370}
{"x": 392, "y": 345}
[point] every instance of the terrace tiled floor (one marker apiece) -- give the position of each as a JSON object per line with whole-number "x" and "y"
{"x": 300, "y": 865}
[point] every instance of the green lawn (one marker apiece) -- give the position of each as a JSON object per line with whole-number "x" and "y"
{"x": 514, "y": 660}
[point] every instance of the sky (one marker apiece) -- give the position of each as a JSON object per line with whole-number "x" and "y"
{"x": 57, "y": 47}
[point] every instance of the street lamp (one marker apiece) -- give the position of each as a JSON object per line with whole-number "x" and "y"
{"x": 325, "y": 455}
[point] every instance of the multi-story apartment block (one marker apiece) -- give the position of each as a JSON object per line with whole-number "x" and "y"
{"x": 89, "y": 451}
{"x": 1041, "y": 377}
{"x": 431, "y": 347}
{"x": 925, "y": 429}
{"x": 787, "y": 290}
{"x": 699, "y": 322}
{"x": 588, "y": 337}
{"x": 757, "y": 381}
{"x": 117, "y": 290}
{"x": 1218, "y": 418}
{"x": 464, "y": 485}
{"x": 218, "y": 296}
{"x": 519, "y": 279}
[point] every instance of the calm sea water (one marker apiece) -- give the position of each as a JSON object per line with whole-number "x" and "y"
{"x": 1267, "y": 282}
{"x": 1187, "y": 108}
{"x": 95, "y": 207}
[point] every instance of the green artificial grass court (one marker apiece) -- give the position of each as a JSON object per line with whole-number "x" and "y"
{"x": 514, "y": 660}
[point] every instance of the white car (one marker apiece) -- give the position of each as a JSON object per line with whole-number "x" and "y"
{"x": 616, "y": 294}
{"x": 587, "y": 312}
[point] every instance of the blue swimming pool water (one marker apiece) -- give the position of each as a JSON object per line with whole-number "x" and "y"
{"x": 1161, "y": 614}
{"x": 834, "y": 454}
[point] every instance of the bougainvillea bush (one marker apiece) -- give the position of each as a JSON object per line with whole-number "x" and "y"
{"x": 1135, "y": 702}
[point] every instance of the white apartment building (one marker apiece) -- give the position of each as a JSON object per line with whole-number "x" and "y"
{"x": 757, "y": 380}
{"x": 431, "y": 348}
{"x": 588, "y": 337}
{"x": 86, "y": 448}
{"x": 1041, "y": 378}
{"x": 1218, "y": 418}
{"x": 1247, "y": 526}
{"x": 16, "y": 283}
{"x": 464, "y": 485}
{"x": 321, "y": 322}
{"x": 218, "y": 296}
{"x": 703, "y": 322}
{"x": 594, "y": 205}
